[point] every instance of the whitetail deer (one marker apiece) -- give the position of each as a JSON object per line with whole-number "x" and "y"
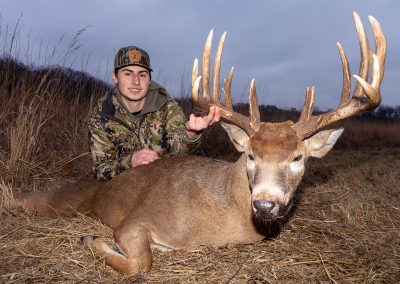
{"x": 185, "y": 202}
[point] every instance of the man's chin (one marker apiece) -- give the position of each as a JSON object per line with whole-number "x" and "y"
{"x": 133, "y": 97}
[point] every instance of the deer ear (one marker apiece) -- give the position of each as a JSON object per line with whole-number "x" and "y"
{"x": 322, "y": 142}
{"x": 238, "y": 136}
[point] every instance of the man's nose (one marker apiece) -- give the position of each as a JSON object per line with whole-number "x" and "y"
{"x": 135, "y": 79}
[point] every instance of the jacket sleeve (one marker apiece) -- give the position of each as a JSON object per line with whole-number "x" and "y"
{"x": 180, "y": 142}
{"x": 106, "y": 165}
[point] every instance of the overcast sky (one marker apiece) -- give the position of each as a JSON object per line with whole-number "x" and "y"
{"x": 285, "y": 45}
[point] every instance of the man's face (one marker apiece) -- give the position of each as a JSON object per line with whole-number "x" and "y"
{"x": 133, "y": 83}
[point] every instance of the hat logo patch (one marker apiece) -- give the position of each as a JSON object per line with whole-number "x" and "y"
{"x": 135, "y": 55}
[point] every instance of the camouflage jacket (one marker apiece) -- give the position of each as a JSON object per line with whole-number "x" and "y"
{"x": 115, "y": 133}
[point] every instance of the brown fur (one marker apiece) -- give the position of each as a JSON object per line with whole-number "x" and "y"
{"x": 275, "y": 141}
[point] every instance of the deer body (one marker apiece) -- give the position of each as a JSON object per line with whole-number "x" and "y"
{"x": 186, "y": 202}
{"x": 179, "y": 215}
{"x": 146, "y": 215}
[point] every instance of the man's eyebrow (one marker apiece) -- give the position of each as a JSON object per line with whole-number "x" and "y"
{"x": 128, "y": 70}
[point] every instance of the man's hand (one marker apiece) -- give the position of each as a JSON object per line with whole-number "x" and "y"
{"x": 143, "y": 157}
{"x": 198, "y": 123}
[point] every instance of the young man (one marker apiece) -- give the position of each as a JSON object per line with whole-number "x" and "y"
{"x": 137, "y": 122}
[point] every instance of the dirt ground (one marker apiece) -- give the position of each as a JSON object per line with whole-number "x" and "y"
{"x": 345, "y": 228}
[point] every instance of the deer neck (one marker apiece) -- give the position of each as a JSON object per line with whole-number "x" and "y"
{"x": 240, "y": 184}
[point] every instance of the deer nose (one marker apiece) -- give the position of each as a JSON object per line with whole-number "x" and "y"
{"x": 264, "y": 205}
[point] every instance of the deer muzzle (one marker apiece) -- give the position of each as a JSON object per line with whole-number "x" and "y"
{"x": 267, "y": 209}
{"x": 269, "y": 202}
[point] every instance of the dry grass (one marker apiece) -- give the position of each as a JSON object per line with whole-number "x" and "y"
{"x": 43, "y": 121}
{"x": 344, "y": 229}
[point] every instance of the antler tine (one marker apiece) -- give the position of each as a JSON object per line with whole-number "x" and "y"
{"x": 196, "y": 86}
{"x": 217, "y": 68}
{"x": 366, "y": 96}
{"x": 380, "y": 44}
{"x": 345, "y": 98}
{"x": 372, "y": 90}
{"x": 306, "y": 111}
{"x": 366, "y": 55}
{"x": 307, "y": 121}
{"x": 205, "y": 102}
{"x": 227, "y": 90}
{"x": 205, "y": 67}
{"x": 195, "y": 71}
{"x": 253, "y": 105}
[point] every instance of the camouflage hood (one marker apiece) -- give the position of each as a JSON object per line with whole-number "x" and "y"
{"x": 156, "y": 98}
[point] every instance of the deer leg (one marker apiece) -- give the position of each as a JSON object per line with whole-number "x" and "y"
{"x": 135, "y": 253}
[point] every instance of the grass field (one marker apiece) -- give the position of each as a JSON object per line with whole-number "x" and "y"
{"x": 345, "y": 227}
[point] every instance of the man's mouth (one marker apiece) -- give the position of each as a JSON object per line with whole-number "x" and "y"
{"x": 134, "y": 90}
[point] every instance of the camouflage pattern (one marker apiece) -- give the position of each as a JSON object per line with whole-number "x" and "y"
{"x": 115, "y": 135}
{"x": 132, "y": 55}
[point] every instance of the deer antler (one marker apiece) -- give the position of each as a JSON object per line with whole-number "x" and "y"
{"x": 248, "y": 124}
{"x": 366, "y": 96}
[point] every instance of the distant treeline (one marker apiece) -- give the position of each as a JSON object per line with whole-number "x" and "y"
{"x": 382, "y": 113}
{"x": 15, "y": 74}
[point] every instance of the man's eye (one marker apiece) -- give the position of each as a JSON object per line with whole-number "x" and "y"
{"x": 297, "y": 158}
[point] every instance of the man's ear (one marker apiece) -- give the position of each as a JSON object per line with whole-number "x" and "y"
{"x": 114, "y": 77}
{"x": 322, "y": 142}
{"x": 238, "y": 136}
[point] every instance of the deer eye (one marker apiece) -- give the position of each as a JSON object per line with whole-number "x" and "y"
{"x": 250, "y": 157}
{"x": 297, "y": 158}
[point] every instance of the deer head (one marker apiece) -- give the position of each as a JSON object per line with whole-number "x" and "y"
{"x": 276, "y": 153}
